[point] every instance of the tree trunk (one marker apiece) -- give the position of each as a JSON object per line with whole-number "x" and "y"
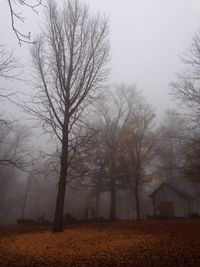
{"x": 98, "y": 190}
{"x": 171, "y": 163}
{"x": 128, "y": 204}
{"x": 112, "y": 215}
{"x": 137, "y": 201}
{"x": 25, "y": 197}
{"x": 59, "y": 212}
{"x": 154, "y": 205}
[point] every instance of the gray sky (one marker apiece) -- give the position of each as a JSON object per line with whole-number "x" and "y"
{"x": 146, "y": 38}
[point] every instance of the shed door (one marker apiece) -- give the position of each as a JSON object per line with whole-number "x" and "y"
{"x": 166, "y": 208}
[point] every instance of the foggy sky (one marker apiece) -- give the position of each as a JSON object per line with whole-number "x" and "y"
{"x": 146, "y": 38}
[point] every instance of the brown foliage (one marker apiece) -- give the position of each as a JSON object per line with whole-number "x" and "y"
{"x": 150, "y": 243}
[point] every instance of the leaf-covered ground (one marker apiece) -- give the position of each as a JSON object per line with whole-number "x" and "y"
{"x": 141, "y": 244}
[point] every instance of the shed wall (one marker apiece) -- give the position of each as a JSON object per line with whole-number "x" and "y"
{"x": 182, "y": 206}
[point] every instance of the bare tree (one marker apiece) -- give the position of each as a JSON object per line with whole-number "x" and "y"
{"x": 138, "y": 144}
{"x": 186, "y": 88}
{"x": 113, "y": 116}
{"x": 124, "y": 147}
{"x": 70, "y": 59}
{"x": 16, "y": 16}
{"x": 170, "y": 146}
{"x": 15, "y": 158}
{"x": 192, "y": 162}
{"x": 98, "y": 175}
{"x": 9, "y": 69}
{"x": 13, "y": 147}
{"x": 8, "y": 63}
{"x": 12, "y": 140}
{"x": 8, "y": 182}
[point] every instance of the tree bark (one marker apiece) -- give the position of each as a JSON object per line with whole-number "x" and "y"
{"x": 59, "y": 212}
{"x": 25, "y": 197}
{"x": 137, "y": 199}
{"x": 70, "y": 59}
{"x": 137, "y": 204}
{"x": 98, "y": 191}
{"x": 112, "y": 215}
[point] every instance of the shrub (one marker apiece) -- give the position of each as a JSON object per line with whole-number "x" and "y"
{"x": 69, "y": 218}
{"x": 25, "y": 221}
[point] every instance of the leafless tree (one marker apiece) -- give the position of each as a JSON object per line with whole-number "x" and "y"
{"x": 15, "y": 159}
{"x": 70, "y": 59}
{"x": 138, "y": 144}
{"x": 97, "y": 166}
{"x": 186, "y": 88}
{"x": 8, "y": 63}
{"x": 9, "y": 69}
{"x": 12, "y": 139}
{"x": 8, "y": 181}
{"x": 170, "y": 146}
{"x": 113, "y": 115}
{"x": 126, "y": 145}
{"x": 13, "y": 147}
{"x": 16, "y": 16}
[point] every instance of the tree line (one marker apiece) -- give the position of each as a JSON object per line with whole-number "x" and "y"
{"x": 104, "y": 137}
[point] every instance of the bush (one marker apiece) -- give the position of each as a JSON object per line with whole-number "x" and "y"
{"x": 25, "y": 221}
{"x": 158, "y": 217}
{"x": 194, "y": 215}
{"x": 69, "y": 218}
{"x": 42, "y": 219}
{"x": 101, "y": 218}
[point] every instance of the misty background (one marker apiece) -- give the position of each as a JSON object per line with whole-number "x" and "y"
{"x": 147, "y": 39}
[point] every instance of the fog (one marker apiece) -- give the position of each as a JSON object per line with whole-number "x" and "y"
{"x": 146, "y": 39}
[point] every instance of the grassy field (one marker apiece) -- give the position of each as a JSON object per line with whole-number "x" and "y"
{"x": 146, "y": 243}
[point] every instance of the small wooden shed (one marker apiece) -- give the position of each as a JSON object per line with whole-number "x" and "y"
{"x": 170, "y": 201}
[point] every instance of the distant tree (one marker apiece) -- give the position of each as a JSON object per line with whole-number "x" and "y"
{"x": 186, "y": 88}
{"x": 126, "y": 144}
{"x": 14, "y": 150}
{"x": 8, "y": 182}
{"x": 170, "y": 146}
{"x": 8, "y": 63}
{"x": 27, "y": 189}
{"x": 12, "y": 140}
{"x": 15, "y": 156}
{"x": 113, "y": 115}
{"x": 9, "y": 69}
{"x": 70, "y": 59}
{"x": 96, "y": 161}
{"x": 192, "y": 162}
{"x": 138, "y": 142}
{"x": 191, "y": 154}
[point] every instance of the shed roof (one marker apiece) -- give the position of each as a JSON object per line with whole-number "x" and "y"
{"x": 174, "y": 188}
